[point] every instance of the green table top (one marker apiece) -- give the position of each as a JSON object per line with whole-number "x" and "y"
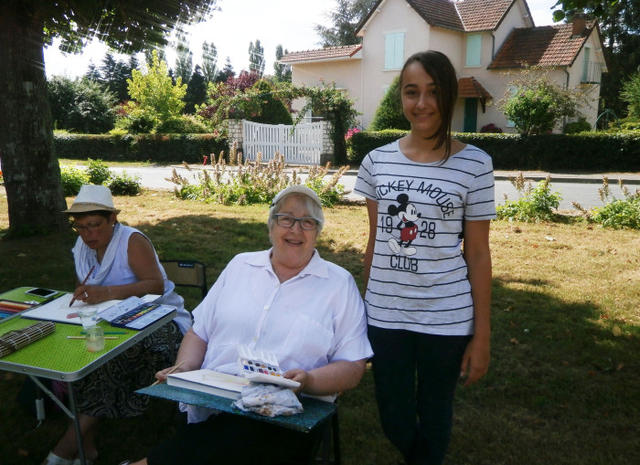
{"x": 56, "y": 357}
{"x": 315, "y": 412}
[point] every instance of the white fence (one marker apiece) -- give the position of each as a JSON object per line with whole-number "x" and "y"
{"x": 300, "y": 144}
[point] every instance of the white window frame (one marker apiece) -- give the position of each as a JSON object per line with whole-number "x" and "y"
{"x": 394, "y": 50}
{"x": 474, "y": 51}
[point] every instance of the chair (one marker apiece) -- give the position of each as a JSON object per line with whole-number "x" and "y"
{"x": 189, "y": 273}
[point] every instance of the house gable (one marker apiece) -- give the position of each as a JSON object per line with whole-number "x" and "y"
{"x": 547, "y": 46}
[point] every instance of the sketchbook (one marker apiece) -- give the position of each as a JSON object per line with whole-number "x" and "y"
{"x": 209, "y": 381}
{"x": 58, "y": 309}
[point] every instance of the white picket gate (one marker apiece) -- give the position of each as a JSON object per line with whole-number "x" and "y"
{"x": 300, "y": 144}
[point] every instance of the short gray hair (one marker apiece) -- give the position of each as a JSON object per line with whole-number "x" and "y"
{"x": 315, "y": 210}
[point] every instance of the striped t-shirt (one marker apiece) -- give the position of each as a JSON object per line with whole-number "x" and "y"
{"x": 418, "y": 278}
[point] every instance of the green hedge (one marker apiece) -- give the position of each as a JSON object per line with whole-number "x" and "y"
{"x": 173, "y": 148}
{"x": 589, "y": 151}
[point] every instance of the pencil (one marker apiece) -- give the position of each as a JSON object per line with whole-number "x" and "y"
{"x": 174, "y": 368}
{"x": 107, "y": 332}
{"x": 83, "y": 283}
{"x": 84, "y": 337}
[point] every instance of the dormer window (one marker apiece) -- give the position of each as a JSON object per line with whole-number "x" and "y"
{"x": 474, "y": 50}
{"x": 393, "y": 50}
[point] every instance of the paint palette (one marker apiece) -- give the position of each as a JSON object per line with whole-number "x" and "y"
{"x": 262, "y": 367}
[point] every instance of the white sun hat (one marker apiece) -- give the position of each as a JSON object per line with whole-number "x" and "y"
{"x": 92, "y": 198}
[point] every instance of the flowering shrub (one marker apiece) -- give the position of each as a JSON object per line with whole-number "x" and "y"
{"x": 491, "y": 128}
{"x": 616, "y": 213}
{"x": 253, "y": 182}
{"x": 350, "y": 133}
{"x": 535, "y": 204}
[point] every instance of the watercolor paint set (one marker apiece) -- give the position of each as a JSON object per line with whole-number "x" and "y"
{"x": 262, "y": 367}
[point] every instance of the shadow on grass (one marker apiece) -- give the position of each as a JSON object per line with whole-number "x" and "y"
{"x": 562, "y": 387}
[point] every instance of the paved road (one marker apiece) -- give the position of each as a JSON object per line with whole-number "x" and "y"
{"x": 579, "y": 188}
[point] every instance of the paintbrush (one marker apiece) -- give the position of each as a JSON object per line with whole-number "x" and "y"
{"x": 174, "y": 368}
{"x": 86, "y": 278}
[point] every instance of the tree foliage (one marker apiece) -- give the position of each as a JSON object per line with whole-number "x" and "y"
{"x": 184, "y": 59}
{"x": 631, "y": 95}
{"x": 282, "y": 72}
{"x": 226, "y": 73}
{"x": 389, "y": 114}
{"x": 155, "y": 98}
{"x": 345, "y": 18}
{"x": 256, "y": 58}
{"x": 209, "y": 61}
{"x": 620, "y": 26}
{"x": 30, "y": 169}
{"x": 81, "y": 105}
{"x": 196, "y": 90}
{"x": 112, "y": 75}
{"x": 535, "y": 104}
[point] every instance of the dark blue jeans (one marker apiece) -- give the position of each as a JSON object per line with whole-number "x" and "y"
{"x": 416, "y": 419}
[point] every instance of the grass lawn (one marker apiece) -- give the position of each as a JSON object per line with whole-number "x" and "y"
{"x": 563, "y": 387}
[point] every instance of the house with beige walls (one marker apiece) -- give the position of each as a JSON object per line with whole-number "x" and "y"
{"x": 490, "y": 43}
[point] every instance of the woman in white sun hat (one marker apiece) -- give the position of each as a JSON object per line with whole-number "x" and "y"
{"x": 120, "y": 262}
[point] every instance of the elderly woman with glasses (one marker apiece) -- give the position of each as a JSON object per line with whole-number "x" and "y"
{"x": 287, "y": 301}
{"x": 114, "y": 261}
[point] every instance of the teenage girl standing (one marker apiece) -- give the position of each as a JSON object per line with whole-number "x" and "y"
{"x": 430, "y": 199}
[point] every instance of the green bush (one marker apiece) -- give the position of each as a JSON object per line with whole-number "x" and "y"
{"x": 98, "y": 172}
{"x": 174, "y": 148}
{"x": 591, "y": 151}
{"x": 537, "y": 104}
{"x": 72, "y": 180}
{"x": 184, "y": 124}
{"x": 616, "y": 213}
{"x": 361, "y": 143}
{"x": 81, "y": 105}
{"x": 619, "y": 213}
{"x": 137, "y": 122}
{"x": 389, "y": 114}
{"x": 272, "y": 110}
{"x": 536, "y": 204}
{"x": 582, "y": 125}
{"x": 123, "y": 184}
{"x": 630, "y": 126}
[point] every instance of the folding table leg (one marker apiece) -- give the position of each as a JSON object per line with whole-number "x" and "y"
{"x": 76, "y": 424}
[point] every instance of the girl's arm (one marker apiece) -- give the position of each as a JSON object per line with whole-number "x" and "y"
{"x": 372, "y": 211}
{"x": 477, "y": 254}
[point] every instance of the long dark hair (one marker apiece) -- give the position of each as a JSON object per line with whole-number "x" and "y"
{"x": 438, "y": 66}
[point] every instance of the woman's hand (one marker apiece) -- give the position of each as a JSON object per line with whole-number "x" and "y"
{"x": 475, "y": 361}
{"x": 161, "y": 376}
{"x": 299, "y": 375}
{"x": 92, "y": 294}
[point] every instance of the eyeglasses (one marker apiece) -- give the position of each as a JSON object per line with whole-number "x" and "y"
{"x": 288, "y": 221}
{"x": 89, "y": 227}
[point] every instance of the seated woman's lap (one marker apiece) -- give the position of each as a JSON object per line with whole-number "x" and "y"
{"x": 227, "y": 438}
{"x": 109, "y": 391}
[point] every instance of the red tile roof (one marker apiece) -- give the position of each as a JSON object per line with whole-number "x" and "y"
{"x": 540, "y": 46}
{"x": 323, "y": 54}
{"x": 459, "y": 15}
{"x": 469, "y": 87}
{"x": 482, "y": 15}
{"x": 441, "y": 13}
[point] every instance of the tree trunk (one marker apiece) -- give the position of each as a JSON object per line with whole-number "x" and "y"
{"x": 29, "y": 166}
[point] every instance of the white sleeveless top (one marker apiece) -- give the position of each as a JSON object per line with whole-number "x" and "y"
{"x": 115, "y": 270}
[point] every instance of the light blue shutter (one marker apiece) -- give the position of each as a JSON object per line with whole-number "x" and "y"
{"x": 394, "y": 50}
{"x": 474, "y": 50}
